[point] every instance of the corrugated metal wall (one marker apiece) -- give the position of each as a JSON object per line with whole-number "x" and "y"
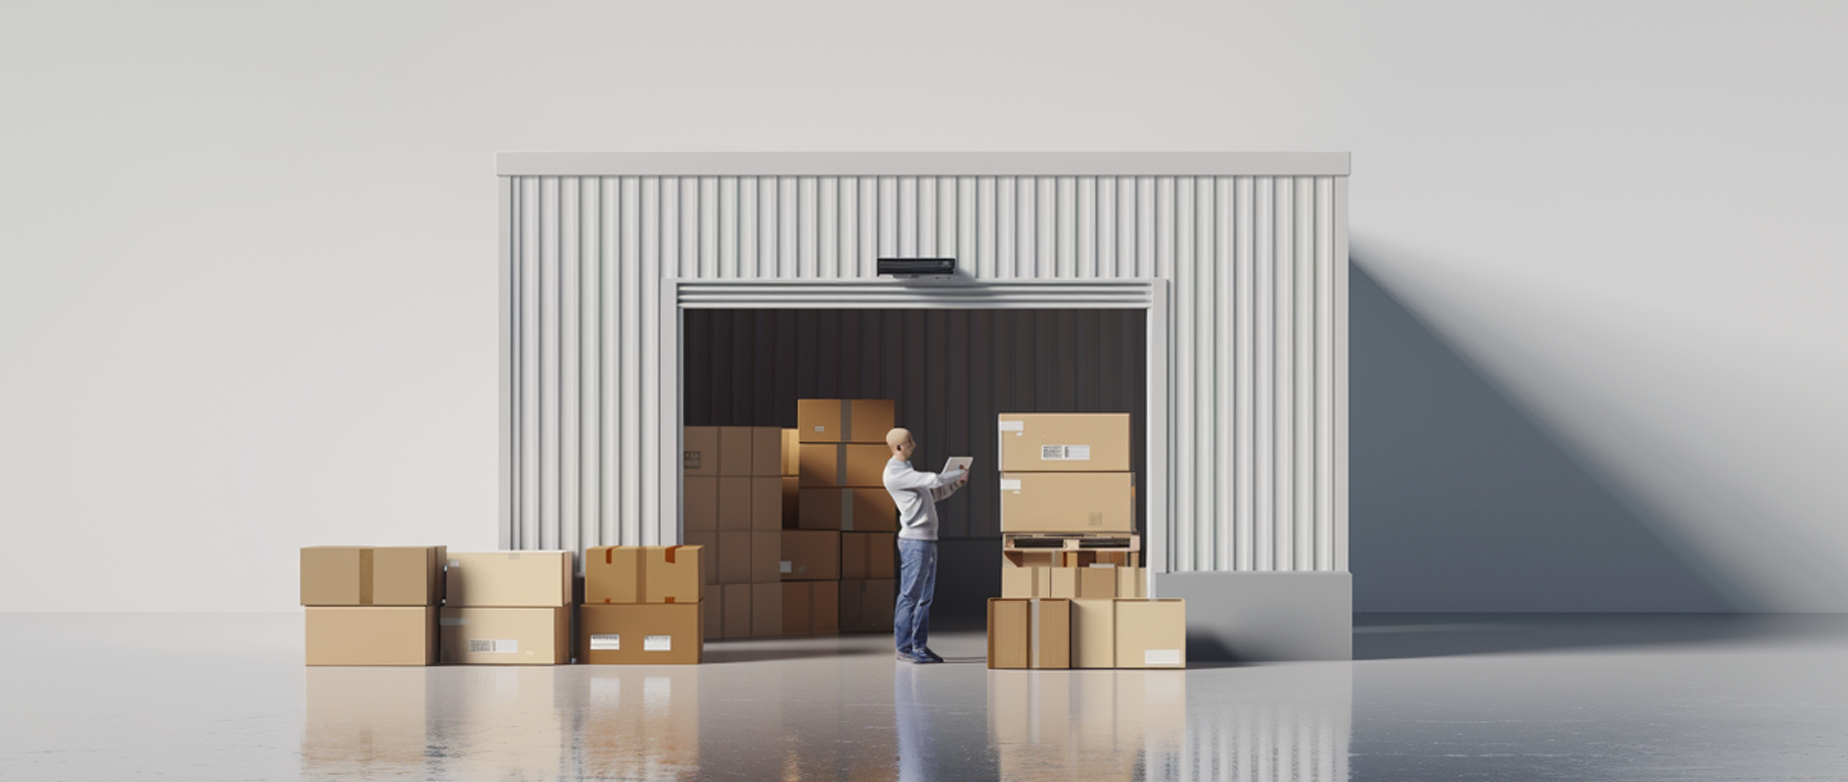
{"x": 1257, "y": 263}
{"x": 950, "y": 371}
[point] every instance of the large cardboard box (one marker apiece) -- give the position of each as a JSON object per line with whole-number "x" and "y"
{"x": 737, "y": 611}
{"x": 866, "y": 605}
{"x": 792, "y": 453}
{"x": 506, "y": 636}
{"x": 844, "y": 464}
{"x": 845, "y": 420}
{"x": 735, "y": 550}
{"x": 642, "y": 574}
{"x": 1094, "y": 633}
{"x": 1025, "y": 582}
{"x": 700, "y": 449}
{"x": 1087, "y": 582}
{"x": 641, "y": 634}
{"x": 371, "y": 635}
{"x": 1064, "y": 442}
{"x": 810, "y": 555}
{"x": 1151, "y": 634}
{"x": 372, "y": 575}
{"x": 508, "y": 579}
{"x": 869, "y": 555}
{"x": 766, "y": 609}
{"x": 708, "y": 543}
{"x": 853, "y": 510}
{"x": 811, "y": 608}
{"x": 766, "y": 556}
{"x": 1067, "y": 502}
{"x": 699, "y": 504}
{"x": 1033, "y": 633}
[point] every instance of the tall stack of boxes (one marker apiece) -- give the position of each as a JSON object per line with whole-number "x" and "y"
{"x": 1073, "y": 590}
{"x": 641, "y": 606}
{"x": 507, "y": 608}
{"x": 734, "y": 510}
{"x": 372, "y": 605}
{"x": 838, "y": 563}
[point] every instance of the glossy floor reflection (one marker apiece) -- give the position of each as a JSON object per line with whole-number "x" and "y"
{"x": 224, "y": 697}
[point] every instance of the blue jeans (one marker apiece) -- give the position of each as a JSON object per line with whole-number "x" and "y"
{"x": 917, "y": 583}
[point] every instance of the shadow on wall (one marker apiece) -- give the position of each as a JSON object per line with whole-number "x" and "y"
{"x": 1458, "y": 502}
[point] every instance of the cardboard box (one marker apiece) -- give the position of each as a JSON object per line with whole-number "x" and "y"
{"x": 709, "y": 556}
{"x": 766, "y": 452}
{"x": 1067, "y": 502}
{"x": 508, "y": 579}
{"x": 1094, "y": 633}
{"x": 1025, "y": 582}
{"x": 854, "y": 510}
{"x": 1132, "y": 582}
{"x": 750, "y": 503}
{"x": 1064, "y": 442}
{"x": 641, "y": 634}
{"x": 1086, "y": 582}
{"x": 734, "y": 503}
{"x": 737, "y": 619}
{"x": 713, "y": 615}
{"x": 792, "y": 453}
{"x": 845, "y": 420}
{"x": 766, "y": 503}
{"x": 1033, "y": 633}
{"x": 371, "y": 635}
{"x": 810, "y": 555}
{"x": 699, "y": 504}
{"x": 826, "y": 465}
{"x": 766, "y": 609}
{"x": 792, "y": 502}
{"x": 735, "y": 449}
{"x": 506, "y": 636}
{"x": 1151, "y": 633}
{"x": 766, "y": 556}
{"x": 700, "y": 450}
{"x": 735, "y": 550}
{"x": 811, "y": 608}
{"x": 642, "y": 574}
{"x": 866, "y": 605}
{"x": 869, "y": 555}
{"x": 372, "y": 575}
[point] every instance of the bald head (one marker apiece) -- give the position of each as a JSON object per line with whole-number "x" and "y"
{"x": 899, "y": 440}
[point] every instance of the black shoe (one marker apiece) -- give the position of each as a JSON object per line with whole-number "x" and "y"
{"x": 930, "y": 655}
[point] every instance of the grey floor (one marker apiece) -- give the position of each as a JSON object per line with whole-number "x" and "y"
{"x": 206, "y": 697}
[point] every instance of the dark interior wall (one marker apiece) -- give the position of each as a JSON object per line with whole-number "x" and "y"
{"x": 951, "y": 372}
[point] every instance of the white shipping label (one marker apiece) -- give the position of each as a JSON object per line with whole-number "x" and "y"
{"x": 1010, "y": 484}
{"x": 1013, "y": 426}
{"x": 784, "y": 567}
{"x": 606, "y": 643}
{"x": 665, "y": 643}
{"x": 452, "y": 621}
{"x": 1078, "y": 453}
{"x": 1065, "y": 453}
{"x": 821, "y": 428}
{"x": 493, "y": 645}
{"x": 455, "y": 563}
{"x": 1161, "y": 657}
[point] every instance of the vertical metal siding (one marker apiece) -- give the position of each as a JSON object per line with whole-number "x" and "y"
{"x": 1258, "y": 365}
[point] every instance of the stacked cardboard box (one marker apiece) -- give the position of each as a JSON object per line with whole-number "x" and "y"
{"x": 371, "y": 605}
{"x": 735, "y": 511}
{"x": 641, "y": 606}
{"x": 844, "y": 516}
{"x": 507, "y": 608}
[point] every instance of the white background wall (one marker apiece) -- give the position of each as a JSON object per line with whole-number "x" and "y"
{"x": 247, "y": 294}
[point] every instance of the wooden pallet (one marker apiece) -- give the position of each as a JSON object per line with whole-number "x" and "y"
{"x": 1070, "y": 541}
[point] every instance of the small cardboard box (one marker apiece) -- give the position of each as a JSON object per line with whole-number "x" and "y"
{"x": 1067, "y": 502}
{"x": 766, "y": 452}
{"x": 737, "y": 611}
{"x": 1025, "y": 582}
{"x": 1093, "y": 633}
{"x": 508, "y": 579}
{"x": 372, "y": 575}
{"x": 642, "y": 574}
{"x": 767, "y": 503}
{"x": 1086, "y": 582}
{"x": 371, "y": 635}
{"x": 810, "y": 555}
{"x": 735, "y": 550}
{"x": 506, "y": 636}
{"x": 869, "y": 555}
{"x": 699, "y": 504}
{"x": 700, "y": 450}
{"x": 709, "y": 556}
{"x": 1131, "y": 582}
{"x": 766, "y": 609}
{"x": 792, "y": 502}
{"x": 766, "y": 556}
{"x": 845, "y": 420}
{"x": 853, "y": 510}
{"x": 830, "y": 465}
{"x": 641, "y": 634}
{"x": 736, "y": 449}
{"x": 713, "y": 615}
{"x": 734, "y": 503}
{"x": 1064, "y": 442}
{"x": 1033, "y": 633}
{"x": 792, "y": 453}
{"x": 1151, "y": 633}
{"x": 866, "y": 605}
{"x": 811, "y": 608}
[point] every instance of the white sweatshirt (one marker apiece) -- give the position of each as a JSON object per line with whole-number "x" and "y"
{"x": 917, "y": 495}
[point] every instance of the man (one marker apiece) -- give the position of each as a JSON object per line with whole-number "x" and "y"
{"x": 917, "y": 495}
